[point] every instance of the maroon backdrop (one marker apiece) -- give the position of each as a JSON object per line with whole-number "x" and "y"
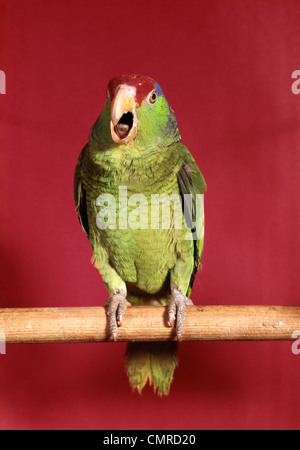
{"x": 226, "y": 69}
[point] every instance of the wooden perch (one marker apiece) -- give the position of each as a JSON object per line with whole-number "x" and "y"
{"x": 148, "y": 323}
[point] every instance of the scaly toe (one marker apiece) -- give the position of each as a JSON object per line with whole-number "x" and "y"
{"x": 116, "y": 306}
{"x": 176, "y": 308}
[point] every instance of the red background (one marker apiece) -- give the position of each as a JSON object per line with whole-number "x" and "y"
{"x": 225, "y": 68}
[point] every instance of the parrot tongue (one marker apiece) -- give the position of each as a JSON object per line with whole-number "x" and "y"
{"x": 124, "y": 125}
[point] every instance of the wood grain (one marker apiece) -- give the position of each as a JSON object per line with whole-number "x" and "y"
{"x": 149, "y": 323}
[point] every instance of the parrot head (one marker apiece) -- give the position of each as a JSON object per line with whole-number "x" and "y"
{"x": 136, "y": 113}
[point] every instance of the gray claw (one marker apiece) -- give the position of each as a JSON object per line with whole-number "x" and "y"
{"x": 176, "y": 308}
{"x": 116, "y": 307}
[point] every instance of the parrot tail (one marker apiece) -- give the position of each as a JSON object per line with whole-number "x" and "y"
{"x": 151, "y": 361}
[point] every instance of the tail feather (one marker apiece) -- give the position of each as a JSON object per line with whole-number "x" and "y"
{"x": 154, "y": 362}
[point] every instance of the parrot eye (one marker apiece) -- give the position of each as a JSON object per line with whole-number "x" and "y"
{"x": 153, "y": 97}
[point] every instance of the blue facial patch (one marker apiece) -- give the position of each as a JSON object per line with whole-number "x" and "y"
{"x": 158, "y": 90}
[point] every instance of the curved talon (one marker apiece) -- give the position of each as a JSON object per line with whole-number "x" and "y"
{"x": 176, "y": 308}
{"x": 116, "y": 307}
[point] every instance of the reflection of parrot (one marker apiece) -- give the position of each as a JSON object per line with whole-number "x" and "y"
{"x": 135, "y": 144}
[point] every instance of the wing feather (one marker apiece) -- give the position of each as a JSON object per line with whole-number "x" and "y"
{"x": 80, "y": 194}
{"x": 191, "y": 183}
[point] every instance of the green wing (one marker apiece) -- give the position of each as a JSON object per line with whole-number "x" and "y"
{"x": 191, "y": 183}
{"x": 80, "y": 195}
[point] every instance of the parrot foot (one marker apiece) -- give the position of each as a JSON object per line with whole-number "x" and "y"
{"x": 176, "y": 308}
{"x": 116, "y": 307}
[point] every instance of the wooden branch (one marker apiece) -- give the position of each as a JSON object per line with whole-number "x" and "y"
{"x": 149, "y": 323}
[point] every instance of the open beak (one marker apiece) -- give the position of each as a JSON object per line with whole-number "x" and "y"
{"x": 123, "y": 118}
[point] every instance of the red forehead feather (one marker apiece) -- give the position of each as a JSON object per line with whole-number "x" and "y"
{"x": 143, "y": 85}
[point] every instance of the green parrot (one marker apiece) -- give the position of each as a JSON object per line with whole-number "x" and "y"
{"x": 139, "y": 198}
